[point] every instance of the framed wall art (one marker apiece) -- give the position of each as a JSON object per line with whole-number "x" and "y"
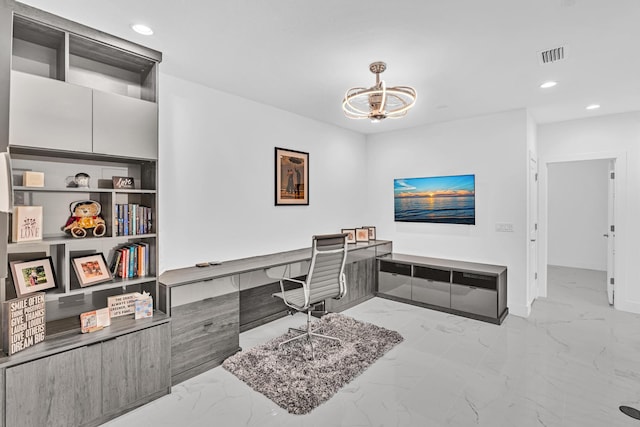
{"x": 33, "y": 276}
{"x": 291, "y": 177}
{"x": 91, "y": 269}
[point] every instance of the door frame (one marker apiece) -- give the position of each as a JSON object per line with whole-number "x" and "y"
{"x": 620, "y": 201}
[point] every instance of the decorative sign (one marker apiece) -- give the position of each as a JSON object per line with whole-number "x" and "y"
{"x": 27, "y": 223}
{"x": 121, "y": 305}
{"x": 123, "y": 182}
{"x": 24, "y": 322}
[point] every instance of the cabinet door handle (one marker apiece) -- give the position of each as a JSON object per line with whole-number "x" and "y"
{"x": 206, "y": 325}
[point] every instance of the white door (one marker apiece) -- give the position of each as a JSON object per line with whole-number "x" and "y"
{"x": 533, "y": 228}
{"x": 611, "y": 233}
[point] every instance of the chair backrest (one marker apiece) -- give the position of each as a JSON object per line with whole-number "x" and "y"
{"x": 325, "y": 278}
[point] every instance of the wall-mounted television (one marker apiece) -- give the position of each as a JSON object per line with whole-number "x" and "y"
{"x": 438, "y": 199}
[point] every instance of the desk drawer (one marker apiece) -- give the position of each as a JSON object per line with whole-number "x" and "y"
{"x": 204, "y": 330}
{"x": 431, "y": 292}
{"x": 395, "y": 284}
{"x": 395, "y": 267}
{"x": 474, "y": 300}
{"x": 476, "y": 280}
{"x": 203, "y": 290}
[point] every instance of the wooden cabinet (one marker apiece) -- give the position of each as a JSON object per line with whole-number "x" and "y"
{"x": 90, "y": 384}
{"x": 55, "y": 68}
{"x": 49, "y": 113}
{"x": 469, "y": 289}
{"x": 360, "y": 274}
{"x": 205, "y": 325}
{"x": 135, "y": 366}
{"x": 62, "y": 390}
{"x": 103, "y": 101}
{"x": 123, "y": 124}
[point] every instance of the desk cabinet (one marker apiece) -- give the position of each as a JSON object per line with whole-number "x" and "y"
{"x": 361, "y": 278}
{"x": 204, "y": 325}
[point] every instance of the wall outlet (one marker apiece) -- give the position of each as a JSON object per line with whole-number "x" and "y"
{"x": 504, "y": 228}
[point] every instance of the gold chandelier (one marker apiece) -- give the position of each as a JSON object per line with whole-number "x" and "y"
{"x": 378, "y": 102}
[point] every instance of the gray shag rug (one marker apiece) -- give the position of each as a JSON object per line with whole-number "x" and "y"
{"x": 298, "y": 383}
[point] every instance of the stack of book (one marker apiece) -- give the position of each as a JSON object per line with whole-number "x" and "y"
{"x": 131, "y": 260}
{"x": 132, "y": 219}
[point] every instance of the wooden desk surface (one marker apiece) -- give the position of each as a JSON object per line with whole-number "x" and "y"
{"x": 183, "y": 276}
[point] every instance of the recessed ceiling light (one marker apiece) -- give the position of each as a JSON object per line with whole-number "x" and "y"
{"x": 142, "y": 29}
{"x": 593, "y": 106}
{"x": 547, "y": 85}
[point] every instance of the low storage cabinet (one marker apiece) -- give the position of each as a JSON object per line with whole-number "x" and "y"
{"x": 474, "y": 290}
{"x": 57, "y": 391}
{"x": 120, "y": 368}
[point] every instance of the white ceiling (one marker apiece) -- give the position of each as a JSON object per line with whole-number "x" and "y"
{"x": 464, "y": 57}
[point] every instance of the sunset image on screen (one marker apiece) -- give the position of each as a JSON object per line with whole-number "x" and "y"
{"x": 441, "y": 199}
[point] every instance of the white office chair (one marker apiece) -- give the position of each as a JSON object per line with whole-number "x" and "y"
{"x": 325, "y": 279}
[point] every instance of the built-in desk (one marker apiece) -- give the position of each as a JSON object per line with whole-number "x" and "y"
{"x": 209, "y": 306}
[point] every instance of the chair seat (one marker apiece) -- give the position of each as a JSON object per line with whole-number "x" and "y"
{"x": 293, "y": 296}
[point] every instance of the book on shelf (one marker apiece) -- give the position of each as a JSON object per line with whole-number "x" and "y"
{"x": 131, "y": 260}
{"x": 132, "y": 219}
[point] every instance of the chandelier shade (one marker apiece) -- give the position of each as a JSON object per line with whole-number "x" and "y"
{"x": 378, "y": 102}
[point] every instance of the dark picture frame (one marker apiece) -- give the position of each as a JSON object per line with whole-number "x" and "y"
{"x": 291, "y": 177}
{"x": 372, "y": 231}
{"x": 351, "y": 234}
{"x": 91, "y": 269}
{"x": 35, "y": 275}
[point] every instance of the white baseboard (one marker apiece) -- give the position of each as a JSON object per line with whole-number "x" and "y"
{"x": 520, "y": 310}
{"x": 630, "y": 306}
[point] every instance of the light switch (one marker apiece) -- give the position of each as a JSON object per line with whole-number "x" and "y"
{"x": 504, "y": 227}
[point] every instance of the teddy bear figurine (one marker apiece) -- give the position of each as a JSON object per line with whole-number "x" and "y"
{"x": 85, "y": 215}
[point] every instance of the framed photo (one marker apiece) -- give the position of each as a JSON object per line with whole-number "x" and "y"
{"x": 91, "y": 269}
{"x": 351, "y": 234}
{"x": 291, "y": 177}
{"x": 362, "y": 234}
{"x": 372, "y": 231}
{"x": 33, "y": 276}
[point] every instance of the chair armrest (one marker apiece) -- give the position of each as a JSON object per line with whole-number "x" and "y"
{"x": 303, "y": 284}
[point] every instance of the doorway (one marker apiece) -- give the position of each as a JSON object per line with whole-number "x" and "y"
{"x": 580, "y": 218}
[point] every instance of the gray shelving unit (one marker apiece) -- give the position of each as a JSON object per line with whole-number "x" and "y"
{"x": 74, "y": 99}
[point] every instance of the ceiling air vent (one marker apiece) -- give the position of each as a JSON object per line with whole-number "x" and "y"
{"x": 552, "y": 55}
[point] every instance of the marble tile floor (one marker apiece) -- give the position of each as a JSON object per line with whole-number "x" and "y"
{"x": 573, "y": 362}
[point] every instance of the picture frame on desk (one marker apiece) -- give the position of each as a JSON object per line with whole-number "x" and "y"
{"x": 351, "y": 234}
{"x": 34, "y": 275}
{"x": 291, "y": 177}
{"x": 372, "y": 231}
{"x": 362, "y": 234}
{"x": 91, "y": 269}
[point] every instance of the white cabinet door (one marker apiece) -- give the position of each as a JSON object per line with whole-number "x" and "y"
{"x": 49, "y": 113}
{"x": 124, "y": 126}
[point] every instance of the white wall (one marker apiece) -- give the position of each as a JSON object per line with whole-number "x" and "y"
{"x": 615, "y": 136}
{"x": 217, "y": 181}
{"x": 492, "y": 147}
{"x": 577, "y": 214}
